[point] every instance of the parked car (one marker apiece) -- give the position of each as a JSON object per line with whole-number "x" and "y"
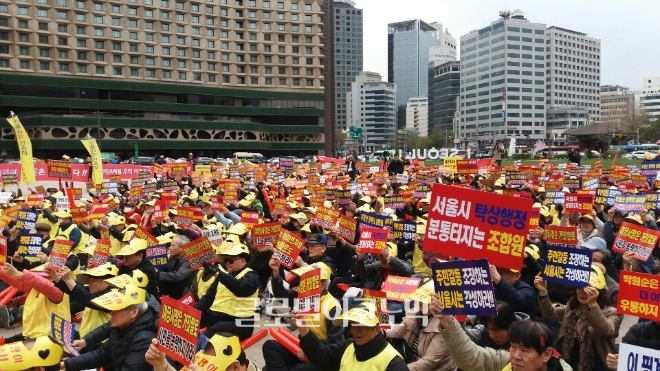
{"x": 639, "y": 155}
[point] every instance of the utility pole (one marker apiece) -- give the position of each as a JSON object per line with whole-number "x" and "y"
{"x": 98, "y": 127}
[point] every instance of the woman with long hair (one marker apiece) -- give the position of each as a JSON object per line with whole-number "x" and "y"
{"x": 589, "y": 323}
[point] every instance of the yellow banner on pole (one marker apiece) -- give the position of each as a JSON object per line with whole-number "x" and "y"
{"x": 25, "y": 150}
{"x": 97, "y": 163}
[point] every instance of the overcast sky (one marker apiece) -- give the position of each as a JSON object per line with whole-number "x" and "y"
{"x": 628, "y": 30}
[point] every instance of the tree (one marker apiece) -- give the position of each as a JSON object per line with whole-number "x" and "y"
{"x": 340, "y": 140}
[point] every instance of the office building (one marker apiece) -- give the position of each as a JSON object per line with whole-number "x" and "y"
{"x": 348, "y": 54}
{"x": 617, "y": 104}
{"x": 171, "y": 76}
{"x": 503, "y": 63}
{"x": 444, "y": 89}
{"x": 373, "y": 109}
{"x": 408, "y": 52}
{"x": 573, "y": 71}
{"x": 649, "y": 98}
{"x": 445, "y": 51}
{"x": 417, "y": 116}
{"x": 562, "y": 119}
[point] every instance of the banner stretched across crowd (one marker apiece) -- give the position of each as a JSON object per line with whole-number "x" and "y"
{"x": 465, "y": 266}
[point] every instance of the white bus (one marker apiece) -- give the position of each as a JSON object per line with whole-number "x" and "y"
{"x": 249, "y": 156}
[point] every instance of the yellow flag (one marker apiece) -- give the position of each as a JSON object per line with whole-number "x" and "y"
{"x": 25, "y": 149}
{"x": 95, "y": 155}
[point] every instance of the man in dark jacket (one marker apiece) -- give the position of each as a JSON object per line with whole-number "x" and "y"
{"x": 134, "y": 255}
{"x": 176, "y": 279}
{"x": 133, "y": 326}
{"x": 396, "y": 166}
{"x": 368, "y": 350}
{"x": 509, "y": 288}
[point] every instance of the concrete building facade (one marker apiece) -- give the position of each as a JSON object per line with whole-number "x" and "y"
{"x": 349, "y": 60}
{"x": 573, "y": 71}
{"x": 503, "y": 69}
{"x": 417, "y": 116}
{"x": 373, "y": 109}
{"x": 444, "y": 89}
{"x": 217, "y": 76}
{"x": 649, "y": 97}
{"x": 616, "y": 104}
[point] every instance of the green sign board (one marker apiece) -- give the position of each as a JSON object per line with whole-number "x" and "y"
{"x": 355, "y": 133}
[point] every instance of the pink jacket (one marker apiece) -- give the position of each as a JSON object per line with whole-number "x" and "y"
{"x": 32, "y": 280}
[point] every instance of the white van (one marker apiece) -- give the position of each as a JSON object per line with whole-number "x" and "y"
{"x": 249, "y": 156}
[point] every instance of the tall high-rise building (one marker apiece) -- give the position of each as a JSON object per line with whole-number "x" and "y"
{"x": 573, "y": 71}
{"x": 348, "y": 53}
{"x": 503, "y": 69}
{"x": 444, "y": 89}
{"x": 445, "y": 51}
{"x": 408, "y": 52}
{"x": 417, "y": 116}
{"x": 373, "y": 109}
{"x": 171, "y": 76}
{"x": 649, "y": 98}
{"x": 617, "y": 103}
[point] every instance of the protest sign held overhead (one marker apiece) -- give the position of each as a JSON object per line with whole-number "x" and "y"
{"x": 465, "y": 287}
{"x": 288, "y": 247}
{"x": 639, "y": 239}
{"x": 568, "y": 266}
{"x": 178, "y": 329}
{"x": 470, "y": 224}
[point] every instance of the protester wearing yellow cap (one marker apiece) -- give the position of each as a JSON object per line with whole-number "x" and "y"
{"x": 37, "y": 354}
{"x": 69, "y": 231}
{"x": 368, "y": 343}
{"x": 432, "y": 351}
{"x": 589, "y": 321}
{"x": 43, "y": 299}
{"x": 94, "y": 278}
{"x": 134, "y": 257}
{"x": 222, "y": 353}
{"x": 277, "y": 357}
{"x": 230, "y": 302}
{"x": 419, "y": 262}
{"x": 48, "y": 217}
{"x": 133, "y": 328}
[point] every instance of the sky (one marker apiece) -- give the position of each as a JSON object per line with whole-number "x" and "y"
{"x": 628, "y": 30}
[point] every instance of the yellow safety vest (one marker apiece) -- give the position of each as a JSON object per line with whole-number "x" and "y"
{"x": 37, "y": 313}
{"x": 317, "y": 322}
{"x": 53, "y": 226}
{"x": 377, "y": 363}
{"x": 211, "y": 220}
{"x": 115, "y": 244}
{"x": 227, "y": 303}
{"x": 419, "y": 266}
{"x": 66, "y": 233}
{"x": 92, "y": 319}
{"x": 203, "y": 286}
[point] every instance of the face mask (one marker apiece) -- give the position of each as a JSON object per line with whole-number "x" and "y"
{"x": 128, "y": 209}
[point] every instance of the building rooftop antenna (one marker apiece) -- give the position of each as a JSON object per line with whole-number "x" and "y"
{"x": 505, "y": 14}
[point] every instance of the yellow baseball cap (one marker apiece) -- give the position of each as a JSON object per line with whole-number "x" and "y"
{"x": 40, "y": 352}
{"x": 103, "y": 270}
{"x": 236, "y": 250}
{"x": 64, "y": 213}
{"x": 363, "y": 314}
{"x": 137, "y": 278}
{"x": 118, "y": 220}
{"x": 121, "y": 299}
{"x": 597, "y": 277}
{"x": 136, "y": 245}
{"x": 227, "y": 350}
{"x": 237, "y": 229}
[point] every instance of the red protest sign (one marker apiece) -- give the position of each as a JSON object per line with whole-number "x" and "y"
{"x": 399, "y": 288}
{"x": 3, "y": 250}
{"x": 59, "y": 169}
{"x": 8, "y": 215}
{"x": 60, "y": 253}
{"x": 250, "y": 218}
{"x": 380, "y": 302}
{"x": 188, "y": 215}
{"x": 638, "y": 295}
{"x": 169, "y": 198}
{"x": 373, "y": 240}
{"x": 101, "y": 252}
{"x": 325, "y": 217}
{"x": 265, "y": 233}
{"x": 578, "y": 203}
{"x": 98, "y": 212}
{"x": 34, "y": 200}
{"x": 179, "y": 168}
{"x": 467, "y": 167}
{"x": 217, "y": 202}
{"x": 79, "y": 215}
{"x": 159, "y": 211}
{"x": 231, "y": 196}
{"x": 639, "y": 239}
{"x": 143, "y": 234}
{"x": 558, "y": 235}
{"x": 188, "y": 299}
{"x": 347, "y": 228}
{"x": 472, "y": 225}
{"x": 309, "y": 292}
{"x": 199, "y": 251}
{"x": 288, "y": 247}
{"x": 178, "y": 329}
